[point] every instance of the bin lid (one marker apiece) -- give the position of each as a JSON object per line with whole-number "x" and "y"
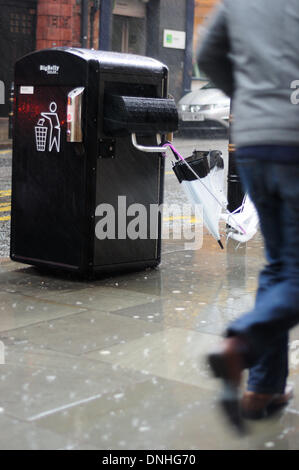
{"x": 69, "y": 66}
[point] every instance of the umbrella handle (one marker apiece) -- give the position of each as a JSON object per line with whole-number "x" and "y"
{"x": 143, "y": 148}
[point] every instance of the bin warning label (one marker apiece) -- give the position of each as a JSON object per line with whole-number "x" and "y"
{"x": 26, "y": 90}
{"x": 47, "y": 130}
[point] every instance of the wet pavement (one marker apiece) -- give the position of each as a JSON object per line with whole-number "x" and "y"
{"x": 118, "y": 362}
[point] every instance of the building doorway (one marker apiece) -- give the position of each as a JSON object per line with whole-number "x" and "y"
{"x": 17, "y": 38}
{"x": 128, "y": 35}
{"x": 129, "y": 27}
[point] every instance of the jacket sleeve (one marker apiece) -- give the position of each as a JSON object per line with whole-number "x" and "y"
{"x": 213, "y": 53}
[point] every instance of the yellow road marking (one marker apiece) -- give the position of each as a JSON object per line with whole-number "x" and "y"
{"x": 5, "y": 209}
{"x": 193, "y": 220}
{"x": 5, "y": 193}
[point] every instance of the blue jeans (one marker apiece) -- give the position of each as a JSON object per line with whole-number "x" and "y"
{"x": 274, "y": 189}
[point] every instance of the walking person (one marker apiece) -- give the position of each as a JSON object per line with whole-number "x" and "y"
{"x": 250, "y": 51}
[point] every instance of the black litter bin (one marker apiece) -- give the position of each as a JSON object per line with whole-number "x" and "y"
{"x": 77, "y": 173}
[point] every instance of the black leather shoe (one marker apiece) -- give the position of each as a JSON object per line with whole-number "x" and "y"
{"x": 227, "y": 365}
{"x": 261, "y": 405}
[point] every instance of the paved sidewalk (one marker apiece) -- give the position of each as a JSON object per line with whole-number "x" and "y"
{"x": 117, "y": 363}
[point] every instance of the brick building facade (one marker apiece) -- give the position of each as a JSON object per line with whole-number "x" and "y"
{"x": 59, "y": 23}
{"x": 202, "y": 11}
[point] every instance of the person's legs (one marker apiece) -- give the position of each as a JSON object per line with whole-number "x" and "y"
{"x": 269, "y": 374}
{"x": 260, "y": 336}
{"x": 274, "y": 189}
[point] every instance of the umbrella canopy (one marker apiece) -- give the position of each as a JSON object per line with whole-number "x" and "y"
{"x": 245, "y": 216}
{"x": 200, "y": 177}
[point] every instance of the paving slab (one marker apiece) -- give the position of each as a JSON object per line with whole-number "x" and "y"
{"x": 36, "y": 382}
{"x": 82, "y": 333}
{"x": 19, "y": 435}
{"x": 175, "y": 354}
{"x": 17, "y": 310}
{"x": 162, "y": 414}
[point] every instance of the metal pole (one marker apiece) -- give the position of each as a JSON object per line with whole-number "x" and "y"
{"x": 84, "y": 23}
{"x": 11, "y": 111}
{"x": 187, "y": 77}
{"x": 105, "y": 25}
{"x": 235, "y": 193}
{"x": 91, "y": 24}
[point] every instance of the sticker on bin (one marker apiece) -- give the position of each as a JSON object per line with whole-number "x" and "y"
{"x": 47, "y": 130}
{"x": 27, "y": 90}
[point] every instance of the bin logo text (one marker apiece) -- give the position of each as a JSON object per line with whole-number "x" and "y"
{"x": 49, "y": 69}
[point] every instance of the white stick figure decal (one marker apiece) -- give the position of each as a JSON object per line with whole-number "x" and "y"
{"x": 52, "y": 130}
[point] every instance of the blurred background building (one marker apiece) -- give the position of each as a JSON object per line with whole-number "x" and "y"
{"x": 164, "y": 29}
{"x": 202, "y": 10}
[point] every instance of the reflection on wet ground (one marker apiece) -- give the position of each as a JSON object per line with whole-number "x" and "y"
{"x": 118, "y": 363}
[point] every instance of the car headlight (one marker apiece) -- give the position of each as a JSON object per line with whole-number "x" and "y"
{"x": 219, "y": 106}
{"x": 183, "y": 107}
{"x": 194, "y": 108}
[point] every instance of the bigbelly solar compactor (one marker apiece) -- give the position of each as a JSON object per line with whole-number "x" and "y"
{"x": 83, "y": 119}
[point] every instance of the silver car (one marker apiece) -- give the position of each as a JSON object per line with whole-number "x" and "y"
{"x": 205, "y": 109}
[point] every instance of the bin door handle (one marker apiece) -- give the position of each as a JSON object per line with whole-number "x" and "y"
{"x": 143, "y": 148}
{"x": 74, "y": 115}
